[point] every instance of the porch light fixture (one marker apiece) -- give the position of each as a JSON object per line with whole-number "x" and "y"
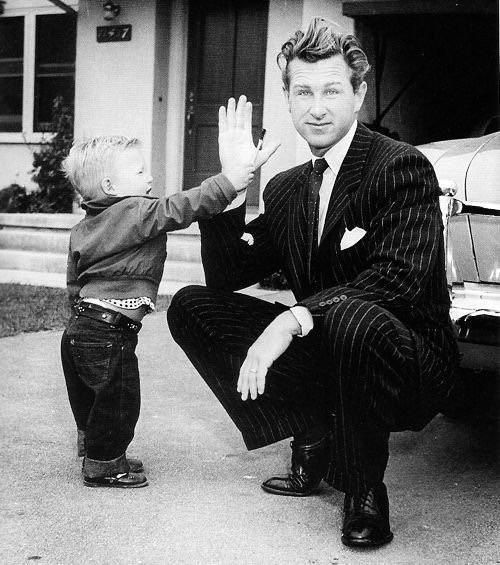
{"x": 110, "y": 10}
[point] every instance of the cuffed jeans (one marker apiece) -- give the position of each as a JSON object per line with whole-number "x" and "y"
{"x": 102, "y": 378}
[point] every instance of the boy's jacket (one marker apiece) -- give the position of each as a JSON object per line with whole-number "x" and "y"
{"x": 118, "y": 250}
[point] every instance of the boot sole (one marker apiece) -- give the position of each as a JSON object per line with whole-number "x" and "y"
{"x": 115, "y": 484}
{"x": 289, "y": 493}
{"x": 367, "y": 543}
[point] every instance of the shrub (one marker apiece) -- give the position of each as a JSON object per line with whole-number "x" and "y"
{"x": 14, "y": 199}
{"x": 55, "y": 193}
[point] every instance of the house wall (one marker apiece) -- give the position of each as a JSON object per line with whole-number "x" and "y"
{"x": 115, "y": 81}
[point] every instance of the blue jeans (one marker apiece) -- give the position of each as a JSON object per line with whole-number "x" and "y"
{"x": 102, "y": 378}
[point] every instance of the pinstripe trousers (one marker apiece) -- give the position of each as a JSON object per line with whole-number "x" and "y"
{"x": 356, "y": 373}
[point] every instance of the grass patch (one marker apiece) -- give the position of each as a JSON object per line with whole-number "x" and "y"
{"x": 26, "y": 308}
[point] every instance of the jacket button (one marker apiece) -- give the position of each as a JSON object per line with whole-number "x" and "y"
{"x": 329, "y": 301}
{"x": 336, "y": 299}
{"x": 322, "y": 303}
{"x": 343, "y": 297}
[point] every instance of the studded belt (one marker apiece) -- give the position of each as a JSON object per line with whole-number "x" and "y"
{"x": 111, "y": 317}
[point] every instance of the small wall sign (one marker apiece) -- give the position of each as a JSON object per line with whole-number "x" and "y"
{"x": 106, "y": 34}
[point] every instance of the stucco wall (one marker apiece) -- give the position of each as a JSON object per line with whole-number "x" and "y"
{"x": 115, "y": 81}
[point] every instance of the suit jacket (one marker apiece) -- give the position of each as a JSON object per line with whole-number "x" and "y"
{"x": 386, "y": 187}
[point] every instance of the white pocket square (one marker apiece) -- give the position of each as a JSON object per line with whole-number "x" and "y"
{"x": 247, "y": 238}
{"x": 351, "y": 237}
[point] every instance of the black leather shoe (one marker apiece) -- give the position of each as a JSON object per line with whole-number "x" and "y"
{"x": 120, "y": 480}
{"x": 366, "y": 519}
{"x": 309, "y": 466}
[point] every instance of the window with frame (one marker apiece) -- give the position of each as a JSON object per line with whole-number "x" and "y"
{"x": 11, "y": 73}
{"x": 30, "y": 79}
{"x": 55, "y": 50}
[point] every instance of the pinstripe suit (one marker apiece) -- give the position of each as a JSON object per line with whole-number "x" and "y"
{"x": 381, "y": 355}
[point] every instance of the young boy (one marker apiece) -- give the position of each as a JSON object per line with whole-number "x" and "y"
{"x": 115, "y": 264}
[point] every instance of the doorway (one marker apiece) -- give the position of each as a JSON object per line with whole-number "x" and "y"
{"x": 226, "y": 57}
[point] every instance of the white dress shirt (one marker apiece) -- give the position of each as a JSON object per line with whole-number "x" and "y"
{"x": 334, "y": 157}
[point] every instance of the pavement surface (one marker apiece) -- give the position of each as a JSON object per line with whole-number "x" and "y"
{"x": 204, "y": 504}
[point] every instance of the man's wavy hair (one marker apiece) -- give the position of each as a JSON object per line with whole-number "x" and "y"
{"x": 320, "y": 41}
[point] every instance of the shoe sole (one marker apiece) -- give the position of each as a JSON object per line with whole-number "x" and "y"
{"x": 115, "y": 485}
{"x": 289, "y": 493}
{"x": 366, "y": 543}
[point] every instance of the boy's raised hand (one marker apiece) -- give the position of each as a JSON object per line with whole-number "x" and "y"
{"x": 238, "y": 155}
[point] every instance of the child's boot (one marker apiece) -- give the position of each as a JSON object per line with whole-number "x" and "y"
{"x": 115, "y": 473}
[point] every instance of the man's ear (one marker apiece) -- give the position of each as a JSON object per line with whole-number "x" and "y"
{"x": 359, "y": 96}
{"x": 107, "y": 187}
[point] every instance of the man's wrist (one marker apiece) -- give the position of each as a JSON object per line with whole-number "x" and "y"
{"x": 304, "y": 319}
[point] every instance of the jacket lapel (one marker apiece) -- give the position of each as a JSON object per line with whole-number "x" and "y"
{"x": 297, "y": 224}
{"x": 348, "y": 178}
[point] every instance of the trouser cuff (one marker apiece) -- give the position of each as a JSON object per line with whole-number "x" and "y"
{"x": 93, "y": 468}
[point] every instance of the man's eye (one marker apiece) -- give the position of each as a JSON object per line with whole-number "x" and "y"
{"x": 332, "y": 92}
{"x": 303, "y": 92}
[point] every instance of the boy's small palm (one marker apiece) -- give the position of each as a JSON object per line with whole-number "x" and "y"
{"x": 238, "y": 155}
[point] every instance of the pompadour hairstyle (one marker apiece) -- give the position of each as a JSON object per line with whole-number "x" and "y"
{"x": 321, "y": 41}
{"x": 91, "y": 160}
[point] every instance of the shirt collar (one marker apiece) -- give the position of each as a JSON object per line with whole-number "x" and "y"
{"x": 336, "y": 154}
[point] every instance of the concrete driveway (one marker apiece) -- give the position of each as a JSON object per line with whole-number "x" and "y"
{"x": 204, "y": 504}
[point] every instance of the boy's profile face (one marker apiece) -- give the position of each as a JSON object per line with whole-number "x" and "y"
{"x": 129, "y": 176}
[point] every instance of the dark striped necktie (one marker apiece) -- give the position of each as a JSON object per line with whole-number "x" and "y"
{"x": 315, "y": 180}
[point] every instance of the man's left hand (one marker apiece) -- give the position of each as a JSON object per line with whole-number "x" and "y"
{"x": 272, "y": 343}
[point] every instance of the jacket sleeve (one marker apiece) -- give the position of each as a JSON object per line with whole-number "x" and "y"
{"x": 406, "y": 235}
{"x": 179, "y": 210}
{"x": 230, "y": 261}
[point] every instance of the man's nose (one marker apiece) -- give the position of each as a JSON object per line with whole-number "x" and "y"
{"x": 317, "y": 109}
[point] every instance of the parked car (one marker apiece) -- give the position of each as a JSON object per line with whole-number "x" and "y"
{"x": 468, "y": 171}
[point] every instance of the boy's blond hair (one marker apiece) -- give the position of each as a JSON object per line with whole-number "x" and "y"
{"x": 91, "y": 160}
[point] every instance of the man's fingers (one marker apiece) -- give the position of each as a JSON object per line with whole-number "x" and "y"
{"x": 252, "y": 382}
{"x": 243, "y": 385}
{"x": 231, "y": 113}
{"x": 222, "y": 119}
{"x": 267, "y": 150}
{"x": 241, "y": 112}
{"x": 261, "y": 380}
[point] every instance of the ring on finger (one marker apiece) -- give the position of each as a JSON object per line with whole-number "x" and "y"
{"x": 252, "y": 370}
